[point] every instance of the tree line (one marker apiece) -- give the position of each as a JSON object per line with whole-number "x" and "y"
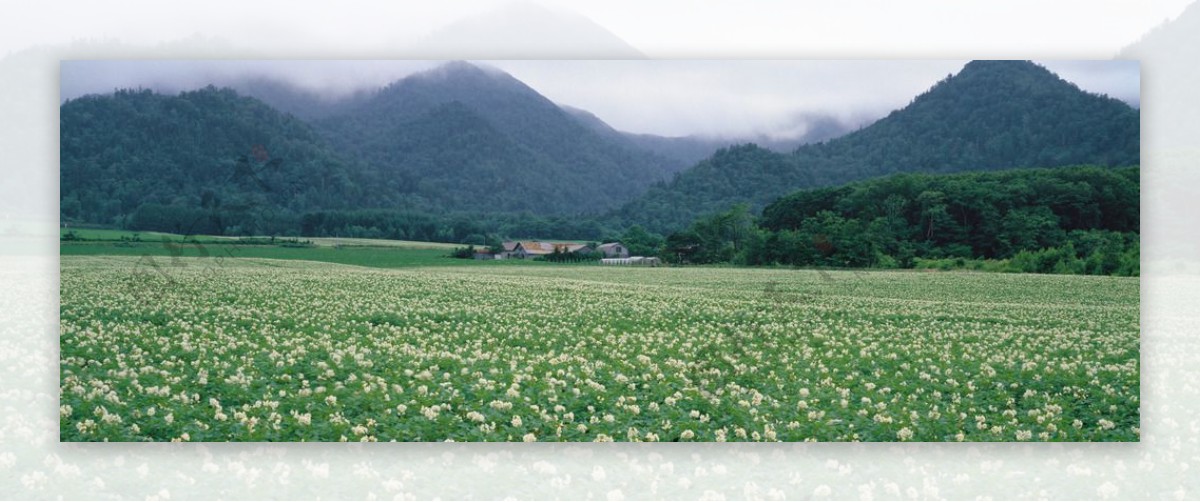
{"x": 1082, "y": 220}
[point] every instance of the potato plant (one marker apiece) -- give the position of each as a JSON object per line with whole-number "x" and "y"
{"x": 275, "y": 350}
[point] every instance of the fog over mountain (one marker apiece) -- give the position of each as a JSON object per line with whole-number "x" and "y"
{"x": 742, "y": 100}
{"x": 468, "y": 139}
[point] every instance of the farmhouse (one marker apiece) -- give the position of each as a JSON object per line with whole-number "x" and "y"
{"x": 613, "y": 250}
{"x": 533, "y": 249}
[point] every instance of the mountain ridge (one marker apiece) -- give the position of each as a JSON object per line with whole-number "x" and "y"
{"x": 990, "y": 115}
{"x": 547, "y": 143}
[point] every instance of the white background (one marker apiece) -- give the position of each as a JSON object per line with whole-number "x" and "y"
{"x": 35, "y": 37}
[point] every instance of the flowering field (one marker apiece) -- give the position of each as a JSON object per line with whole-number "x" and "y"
{"x": 276, "y": 350}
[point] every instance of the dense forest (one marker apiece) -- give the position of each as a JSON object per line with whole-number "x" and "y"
{"x": 209, "y": 161}
{"x": 991, "y": 115}
{"x": 1064, "y": 220}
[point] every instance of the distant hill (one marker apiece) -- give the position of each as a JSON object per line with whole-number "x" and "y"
{"x": 992, "y": 114}
{"x": 210, "y": 153}
{"x": 521, "y": 30}
{"x": 1168, "y": 54}
{"x": 463, "y": 136}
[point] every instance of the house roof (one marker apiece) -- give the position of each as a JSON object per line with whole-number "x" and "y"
{"x": 609, "y": 245}
{"x": 535, "y": 247}
{"x": 538, "y": 247}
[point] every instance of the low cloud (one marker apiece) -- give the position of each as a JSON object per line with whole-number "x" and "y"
{"x": 781, "y": 100}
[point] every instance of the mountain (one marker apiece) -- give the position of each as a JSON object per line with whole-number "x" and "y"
{"x": 991, "y": 115}
{"x": 1168, "y": 54}
{"x": 522, "y": 30}
{"x": 214, "y": 160}
{"x": 461, "y": 136}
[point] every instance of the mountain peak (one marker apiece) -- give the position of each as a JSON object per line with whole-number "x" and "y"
{"x": 458, "y": 69}
{"x": 455, "y": 80}
{"x": 979, "y": 65}
{"x": 1006, "y": 74}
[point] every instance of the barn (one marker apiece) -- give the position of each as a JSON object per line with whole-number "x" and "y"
{"x": 613, "y": 250}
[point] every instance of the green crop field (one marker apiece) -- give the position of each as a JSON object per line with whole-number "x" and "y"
{"x": 159, "y": 256}
{"x": 255, "y": 349}
{"x": 100, "y": 235}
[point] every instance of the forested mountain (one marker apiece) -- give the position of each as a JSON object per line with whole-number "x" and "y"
{"x": 461, "y": 151}
{"x": 1062, "y": 220}
{"x": 992, "y": 114}
{"x": 206, "y": 161}
{"x": 463, "y": 136}
{"x": 679, "y": 152}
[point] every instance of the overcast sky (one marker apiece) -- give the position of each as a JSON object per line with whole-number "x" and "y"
{"x": 666, "y": 97}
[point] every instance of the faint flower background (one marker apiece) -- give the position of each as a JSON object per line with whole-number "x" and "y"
{"x": 34, "y": 465}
